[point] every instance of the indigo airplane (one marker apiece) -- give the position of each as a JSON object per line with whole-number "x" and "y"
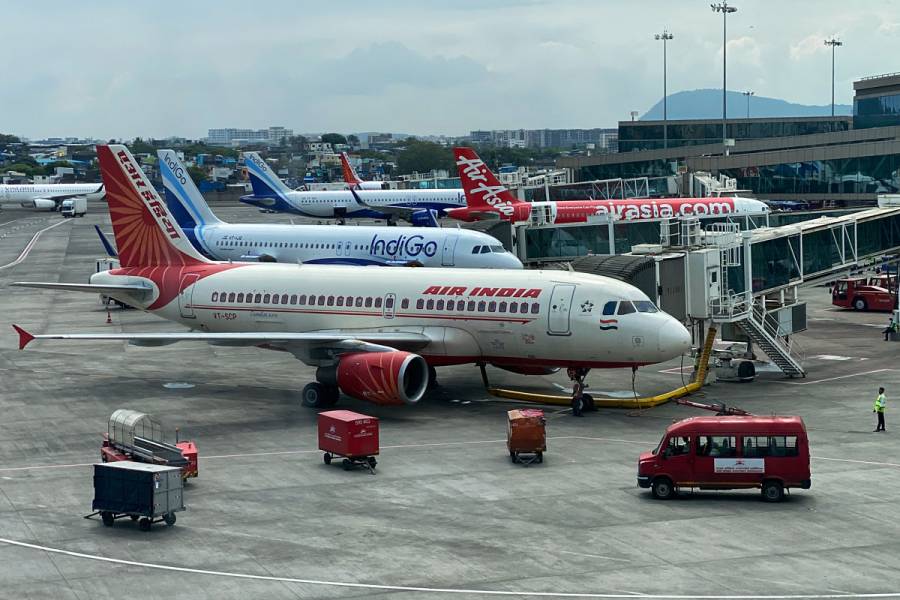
{"x": 419, "y": 207}
{"x": 322, "y": 244}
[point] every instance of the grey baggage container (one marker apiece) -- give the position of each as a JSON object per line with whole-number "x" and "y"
{"x": 151, "y": 493}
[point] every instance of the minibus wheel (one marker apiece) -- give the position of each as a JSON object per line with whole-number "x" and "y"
{"x": 662, "y": 488}
{"x": 772, "y": 491}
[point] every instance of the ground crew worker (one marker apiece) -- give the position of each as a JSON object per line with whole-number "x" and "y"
{"x": 879, "y": 409}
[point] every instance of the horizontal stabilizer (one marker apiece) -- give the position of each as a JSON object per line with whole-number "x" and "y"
{"x": 86, "y": 287}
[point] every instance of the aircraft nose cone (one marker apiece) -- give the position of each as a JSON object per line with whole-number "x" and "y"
{"x": 674, "y": 339}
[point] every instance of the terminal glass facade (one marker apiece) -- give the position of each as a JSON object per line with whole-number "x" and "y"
{"x": 637, "y": 136}
{"x": 863, "y": 175}
{"x": 879, "y": 111}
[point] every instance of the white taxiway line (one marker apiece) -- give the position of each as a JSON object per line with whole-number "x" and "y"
{"x": 30, "y": 245}
{"x": 432, "y": 590}
{"x": 832, "y": 378}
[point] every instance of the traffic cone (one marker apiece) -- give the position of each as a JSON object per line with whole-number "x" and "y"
{"x": 108, "y": 317}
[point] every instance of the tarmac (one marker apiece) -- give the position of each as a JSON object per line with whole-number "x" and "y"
{"x": 447, "y": 515}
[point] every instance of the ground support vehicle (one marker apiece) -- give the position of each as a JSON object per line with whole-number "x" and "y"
{"x": 143, "y": 492}
{"x": 864, "y": 293}
{"x": 135, "y": 436}
{"x": 350, "y": 436}
{"x": 73, "y": 207}
{"x": 729, "y": 452}
{"x": 526, "y": 435}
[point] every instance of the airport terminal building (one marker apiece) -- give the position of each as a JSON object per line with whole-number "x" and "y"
{"x": 826, "y": 162}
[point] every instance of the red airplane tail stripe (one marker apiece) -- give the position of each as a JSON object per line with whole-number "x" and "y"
{"x": 350, "y": 175}
{"x": 482, "y": 189}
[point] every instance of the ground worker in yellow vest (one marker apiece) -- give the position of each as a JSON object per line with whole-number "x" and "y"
{"x": 879, "y": 409}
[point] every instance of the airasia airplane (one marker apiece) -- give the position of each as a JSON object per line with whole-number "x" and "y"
{"x": 353, "y": 179}
{"x": 375, "y": 334}
{"x": 487, "y": 198}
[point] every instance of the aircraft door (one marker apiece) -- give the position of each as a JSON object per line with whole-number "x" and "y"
{"x": 450, "y": 240}
{"x": 560, "y": 308}
{"x": 388, "y": 306}
{"x": 186, "y": 295}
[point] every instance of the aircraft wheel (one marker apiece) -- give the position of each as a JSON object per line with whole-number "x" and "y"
{"x": 332, "y": 395}
{"x": 432, "y": 378}
{"x": 314, "y": 395}
{"x": 588, "y": 401}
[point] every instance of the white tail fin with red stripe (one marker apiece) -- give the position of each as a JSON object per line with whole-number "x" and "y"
{"x": 483, "y": 190}
{"x": 146, "y": 233}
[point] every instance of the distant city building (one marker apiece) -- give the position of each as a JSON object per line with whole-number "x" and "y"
{"x": 876, "y": 101}
{"x": 604, "y": 140}
{"x": 232, "y": 136}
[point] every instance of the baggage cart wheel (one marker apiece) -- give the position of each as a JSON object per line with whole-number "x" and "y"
{"x": 133, "y": 517}
{"x": 662, "y": 488}
{"x": 169, "y": 518}
{"x": 347, "y": 464}
{"x": 144, "y": 524}
{"x": 513, "y": 457}
{"x": 540, "y": 457}
{"x": 772, "y": 491}
{"x": 372, "y": 462}
{"x": 326, "y": 458}
{"x": 107, "y": 518}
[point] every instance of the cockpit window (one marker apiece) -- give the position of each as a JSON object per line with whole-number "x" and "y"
{"x": 498, "y": 249}
{"x": 645, "y": 306}
{"x": 485, "y": 249}
{"x": 609, "y": 308}
{"x": 476, "y": 249}
{"x": 625, "y": 307}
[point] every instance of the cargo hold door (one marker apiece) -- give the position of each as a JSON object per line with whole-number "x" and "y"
{"x": 560, "y": 309}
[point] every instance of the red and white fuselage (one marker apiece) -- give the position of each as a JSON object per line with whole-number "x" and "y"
{"x": 487, "y": 198}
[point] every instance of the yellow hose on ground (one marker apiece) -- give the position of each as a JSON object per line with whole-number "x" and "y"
{"x": 648, "y": 402}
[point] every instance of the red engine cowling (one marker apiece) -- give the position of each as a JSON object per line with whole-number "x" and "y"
{"x": 527, "y": 370}
{"x": 384, "y": 378}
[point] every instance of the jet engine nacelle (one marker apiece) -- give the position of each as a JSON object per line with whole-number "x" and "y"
{"x": 384, "y": 378}
{"x": 526, "y": 370}
{"x": 39, "y": 204}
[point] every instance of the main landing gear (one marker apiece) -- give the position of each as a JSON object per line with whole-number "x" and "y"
{"x": 319, "y": 395}
{"x": 580, "y": 401}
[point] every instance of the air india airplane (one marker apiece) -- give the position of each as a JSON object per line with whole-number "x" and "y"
{"x": 374, "y": 334}
{"x": 352, "y": 179}
{"x": 487, "y": 199}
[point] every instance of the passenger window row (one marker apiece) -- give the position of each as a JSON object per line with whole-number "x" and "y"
{"x": 376, "y": 302}
{"x": 306, "y": 245}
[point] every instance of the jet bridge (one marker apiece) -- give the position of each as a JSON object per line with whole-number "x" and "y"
{"x": 757, "y": 274}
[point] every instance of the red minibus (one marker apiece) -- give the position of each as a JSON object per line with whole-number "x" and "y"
{"x": 729, "y": 452}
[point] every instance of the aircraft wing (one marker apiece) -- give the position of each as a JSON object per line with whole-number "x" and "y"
{"x": 310, "y": 347}
{"x": 56, "y": 197}
{"x": 407, "y": 213}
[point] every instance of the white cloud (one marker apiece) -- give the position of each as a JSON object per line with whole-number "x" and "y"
{"x": 808, "y": 46}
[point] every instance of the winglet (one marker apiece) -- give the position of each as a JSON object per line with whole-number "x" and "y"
{"x": 357, "y": 198}
{"x": 24, "y": 337}
{"x": 105, "y": 241}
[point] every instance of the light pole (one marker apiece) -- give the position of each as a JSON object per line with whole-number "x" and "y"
{"x": 748, "y": 93}
{"x": 724, "y": 8}
{"x": 665, "y": 36}
{"x": 832, "y": 42}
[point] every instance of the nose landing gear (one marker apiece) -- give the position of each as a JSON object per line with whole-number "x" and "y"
{"x": 580, "y": 401}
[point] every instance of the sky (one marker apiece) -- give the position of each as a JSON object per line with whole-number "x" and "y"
{"x": 107, "y": 69}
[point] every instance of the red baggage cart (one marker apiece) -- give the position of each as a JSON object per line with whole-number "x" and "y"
{"x": 349, "y": 435}
{"x": 526, "y": 436}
